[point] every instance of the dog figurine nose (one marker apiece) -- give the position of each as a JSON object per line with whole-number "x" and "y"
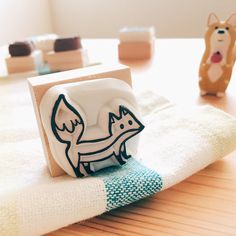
{"x": 221, "y": 32}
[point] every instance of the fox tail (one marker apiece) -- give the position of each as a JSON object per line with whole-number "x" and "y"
{"x": 68, "y": 127}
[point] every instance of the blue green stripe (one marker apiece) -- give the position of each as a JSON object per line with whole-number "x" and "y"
{"x": 129, "y": 183}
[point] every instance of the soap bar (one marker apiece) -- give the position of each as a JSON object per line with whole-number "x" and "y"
{"x": 19, "y": 49}
{"x": 68, "y": 54}
{"x": 67, "y": 44}
{"x": 91, "y": 125}
{"x": 67, "y": 60}
{"x": 136, "y": 34}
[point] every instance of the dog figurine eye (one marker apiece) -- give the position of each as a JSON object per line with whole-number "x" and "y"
{"x": 122, "y": 126}
{"x": 216, "y": 27}
{"x": 130, "y": 122}
{"x": 227, "y": 28}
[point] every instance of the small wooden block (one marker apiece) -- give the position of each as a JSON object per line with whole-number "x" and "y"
{"x": 40, "y": 84}
{"x": 68, "y": 60}
{"x": 135, "y": 50}
{"x": 24, "y": 64}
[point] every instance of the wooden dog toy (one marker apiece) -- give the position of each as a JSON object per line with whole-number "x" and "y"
{"x": 68, "y": 54}
{"x": 219, "y": 56}
{"x": 136, "y": 43}
{"x": 68, "y": 109}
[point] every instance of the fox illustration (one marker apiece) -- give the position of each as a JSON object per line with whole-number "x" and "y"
{"x": 68, "y": 127}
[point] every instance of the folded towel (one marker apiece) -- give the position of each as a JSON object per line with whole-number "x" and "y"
{"x": 176, "y": 143}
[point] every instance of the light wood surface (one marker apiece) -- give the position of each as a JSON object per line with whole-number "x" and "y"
{"x": 205, "y": 203}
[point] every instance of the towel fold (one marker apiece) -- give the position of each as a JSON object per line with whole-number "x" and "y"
{"x": 176, "y": 143}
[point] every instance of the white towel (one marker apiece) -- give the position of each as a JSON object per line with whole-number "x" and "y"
{"x": 176, "y": 143}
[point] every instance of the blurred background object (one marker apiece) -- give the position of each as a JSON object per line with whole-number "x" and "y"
{"x": 103, "y": 19}
{"x": 21, "y": 19}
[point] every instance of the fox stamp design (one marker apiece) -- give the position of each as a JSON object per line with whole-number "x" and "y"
{"x": 69, "y": 128}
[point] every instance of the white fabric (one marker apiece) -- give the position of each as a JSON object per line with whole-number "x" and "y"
{"x": 181, "y": 141}
{"x": 33, "y": 203}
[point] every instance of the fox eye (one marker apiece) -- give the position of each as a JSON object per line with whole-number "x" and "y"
{"x": 121, "y": 126}
{"x": 130, "y": 122}
{"x": 216, "y": 27}
{"x": 227, "y": 28}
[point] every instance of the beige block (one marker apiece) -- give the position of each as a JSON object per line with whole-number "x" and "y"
{"x": 135, "y": 50}
{"x": 25, "y": 63}
{"x": 40, "y": 84}
{"x": 68, "y": 60}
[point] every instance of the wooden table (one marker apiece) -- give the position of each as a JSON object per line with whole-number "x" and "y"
{"x": 205, "y": 203}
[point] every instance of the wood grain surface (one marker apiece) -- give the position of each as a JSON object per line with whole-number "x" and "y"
{"x": 205, "y": 203}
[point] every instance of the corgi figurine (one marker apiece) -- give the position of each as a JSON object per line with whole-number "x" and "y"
{"x": 219, "y": 56}
{"x": 69, "y": 127}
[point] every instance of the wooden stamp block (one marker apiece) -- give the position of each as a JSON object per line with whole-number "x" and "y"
{"x": 40, "y": 84}
{"x": 67, "y": 60}
{"x": 32, "y": 62}
{"x": 136, "y": 43}
{"x": 135, "y": 50}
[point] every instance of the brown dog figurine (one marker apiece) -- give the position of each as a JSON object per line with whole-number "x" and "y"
{"x": 219, "y": 56}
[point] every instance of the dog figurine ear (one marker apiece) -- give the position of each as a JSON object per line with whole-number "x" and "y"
{"x": 232, "y": 20}
{"x": 212, "y": 19}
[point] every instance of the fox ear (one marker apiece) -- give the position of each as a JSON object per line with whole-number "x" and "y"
{"x": 123, "y": 110}
{"x": 212, "y": 19}
{"x": 232, "y": 20}
{"x": 111, "y": 118}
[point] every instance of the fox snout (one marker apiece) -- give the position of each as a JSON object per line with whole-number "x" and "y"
{"x": 141, "y": 127}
